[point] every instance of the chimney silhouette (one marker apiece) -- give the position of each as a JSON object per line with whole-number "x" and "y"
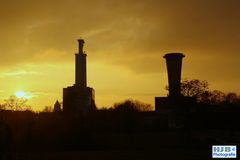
{"x": 80, "y": 66}
{"x": 174, "y": 67}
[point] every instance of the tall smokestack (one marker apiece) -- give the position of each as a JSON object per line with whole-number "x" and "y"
{"x": 174, "y": 67}
{"x": 80, "y": 66}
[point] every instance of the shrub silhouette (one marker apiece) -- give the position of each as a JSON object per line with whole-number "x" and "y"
{"x": 132, "y": 106}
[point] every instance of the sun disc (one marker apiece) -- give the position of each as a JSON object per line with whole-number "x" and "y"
{"x": 21, "y": 94}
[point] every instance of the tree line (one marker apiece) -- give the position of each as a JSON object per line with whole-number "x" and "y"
{"x": 199, "y": 89}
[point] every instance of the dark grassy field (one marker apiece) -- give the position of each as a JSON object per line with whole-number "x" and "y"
{"x": 146, "y": 154}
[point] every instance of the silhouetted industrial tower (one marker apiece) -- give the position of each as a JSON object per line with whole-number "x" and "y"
{"x": 174, "y": 68}
{"x": 174, "y": 100}
{"x": 79, "y": 98}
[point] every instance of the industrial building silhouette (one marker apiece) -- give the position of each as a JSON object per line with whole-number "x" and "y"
{"x": 175, "y": 105}
{"x": 79, "y": 99}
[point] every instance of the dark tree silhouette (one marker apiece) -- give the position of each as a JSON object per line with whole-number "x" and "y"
{"x": 194, "y": 88}
{"x": 2, "y": 107}
{"x": 232, "y": 98}
{"x": 132, "y": 105}
{"x": 200, "y": 90}
{"x": 16, "y": 104}
{"x": 216, "y": 97}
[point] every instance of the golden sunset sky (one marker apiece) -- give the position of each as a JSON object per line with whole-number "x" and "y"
{"x": 125, "y": 41}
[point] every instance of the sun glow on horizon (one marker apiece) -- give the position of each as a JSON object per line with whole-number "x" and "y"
{"x": 21, "y": 94}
